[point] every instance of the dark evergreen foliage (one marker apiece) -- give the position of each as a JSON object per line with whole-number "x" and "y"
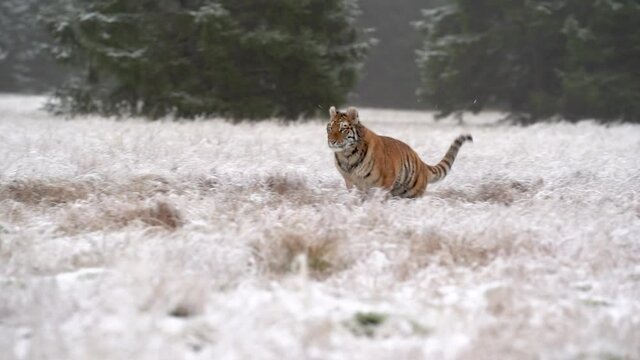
{"x": 535, "y": 59}
{"x": 602, "y": 76}
{"x": 187, "y": 58}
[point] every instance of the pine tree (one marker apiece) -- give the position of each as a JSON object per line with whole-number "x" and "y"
{"x": 535, "y": 59}
{"x": 492, "y": 53}
{"x": 188, "y": 58}
{"x": 602, "y": 77}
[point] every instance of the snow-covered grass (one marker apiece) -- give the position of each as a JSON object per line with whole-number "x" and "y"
{"x": 208, "y": 240}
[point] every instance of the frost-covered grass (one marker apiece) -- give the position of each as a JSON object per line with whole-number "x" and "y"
{"x": 207, "y": 240}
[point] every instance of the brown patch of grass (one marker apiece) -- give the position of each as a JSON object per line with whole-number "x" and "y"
{"x": 145, "y": 186}
{"x": 59, "y": 191}
{"x": 476, "y": 249}
{"x": 500, "y": 192}
{"x": 287, "y": 250}
{"x": 283, "y": 184}
{"x": 421, "y": 251}
{"x": 292, "y": 189}
{"x": 160, "y": 214}
{"x": 40, "y": 192}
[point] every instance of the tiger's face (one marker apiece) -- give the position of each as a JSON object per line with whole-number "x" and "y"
{"x": 342, "y": 129}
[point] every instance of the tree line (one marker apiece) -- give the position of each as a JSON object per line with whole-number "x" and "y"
{"x": 535, "y": 59}
{"x": 289, "y": 58}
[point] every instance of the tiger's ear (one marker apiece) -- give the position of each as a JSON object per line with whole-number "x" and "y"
{"x": 352, "y": 113}
{"x": 332, "y": 111}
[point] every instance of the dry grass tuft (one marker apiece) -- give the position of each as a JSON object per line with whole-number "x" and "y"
{"x": 145, "y": 186}
{"x": 54, "y": 192}
{"x": 290, "y": 189}
{"x": 468, "y": 250}
{"x": 499, "y": 192}
{"x": 478, "y": 249}
{"x": 284, "y": 250}
{"x": 34, "y": 192}
{"x": 283, "y": 184}
{"x": 422, "y": 248}
{"x": 160, "y": 214}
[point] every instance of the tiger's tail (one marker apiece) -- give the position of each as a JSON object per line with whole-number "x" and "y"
{"x": 439, "y": 171}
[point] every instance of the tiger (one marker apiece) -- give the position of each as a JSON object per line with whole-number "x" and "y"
{"x": 367, "y": 160}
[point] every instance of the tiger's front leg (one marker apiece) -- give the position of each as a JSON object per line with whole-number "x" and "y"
{"x": 348, "y": 183}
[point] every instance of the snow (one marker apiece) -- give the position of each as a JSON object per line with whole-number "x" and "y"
{"x": 200, "y": 240}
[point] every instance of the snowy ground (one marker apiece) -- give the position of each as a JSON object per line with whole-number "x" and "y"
{"x": 207, "y": 240}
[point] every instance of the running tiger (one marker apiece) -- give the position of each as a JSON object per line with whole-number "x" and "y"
{"x": 367, "y": 160}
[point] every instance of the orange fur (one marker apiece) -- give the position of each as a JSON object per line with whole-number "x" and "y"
{"x": 367, "y": 160}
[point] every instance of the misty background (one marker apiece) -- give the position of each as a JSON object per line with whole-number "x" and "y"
{"x": 390, "y": 75}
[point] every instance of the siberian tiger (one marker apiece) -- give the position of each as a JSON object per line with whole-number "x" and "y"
{"x": 367, "y": 160}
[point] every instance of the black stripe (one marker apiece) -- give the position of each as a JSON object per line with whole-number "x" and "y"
{"x": 369, "y": 172}
{"x": 355, "y": 149}
{"x": 446, "y": 162}
{"x": 401, "y": 174}
{"x": 444, "y": 170}
{"x": 340, "y": 164}
{"x": 370, "y": 167}
{"x": 404, "y": 172}
{"x": 411, "y": 173}
{"x": 407, "y": 177}
{"x": 365, "y": 150}
{"x": 436, "y": 170}
{"x": 410, "y": 187}
{"x": 359, "y": 161}
{"x": 397, "y": 182}
{"x": 415, "y": 180}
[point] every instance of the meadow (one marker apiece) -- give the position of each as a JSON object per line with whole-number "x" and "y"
{"x": 128, "y": 239}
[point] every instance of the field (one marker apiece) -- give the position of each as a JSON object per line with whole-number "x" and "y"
{"x": 208, "y": 240}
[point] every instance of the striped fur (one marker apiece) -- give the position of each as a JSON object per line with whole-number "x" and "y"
{"x": 367, "y": 160}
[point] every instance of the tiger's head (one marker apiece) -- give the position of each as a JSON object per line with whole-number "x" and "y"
{"x": 343, "y": 129}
